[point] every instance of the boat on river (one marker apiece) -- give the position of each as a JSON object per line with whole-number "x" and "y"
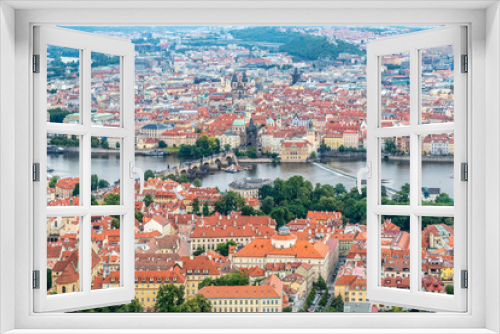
{"x": 154, "y": 153}
{"x": 231, "y": 169}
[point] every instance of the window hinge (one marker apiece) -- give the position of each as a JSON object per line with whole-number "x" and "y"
{"x": 36, "y": 279}
{"x": 465, "y": 279}
{"x": 36, "y": 63}
{"x": 465, "y": 64}
{"x": 464, "y": 171}
{"x": 36, "y": 172}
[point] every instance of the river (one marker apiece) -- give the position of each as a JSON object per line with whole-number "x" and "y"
{"x": 395, "y": 173}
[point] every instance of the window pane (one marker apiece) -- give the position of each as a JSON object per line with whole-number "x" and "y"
{"x": 63, "y": 170}
{"x": 437, "y": 254}
{"x": 395, "y": 90}
{"x": 105, "y": 252}
{"x": 105, "y": 90}
{"x": 63, "y": 85}
{"x": 106, "y": 167}
{"x": 395, "y": 170}
{"x": 63, "y": 255}
{"x": 437, "y": 84}
{"x": 437, "y": 169}
{"x": 395, "y": 251}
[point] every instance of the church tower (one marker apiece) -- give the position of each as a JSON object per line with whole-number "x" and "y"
{"x": 278, "y": 120}
{"x": 311, "y": 135}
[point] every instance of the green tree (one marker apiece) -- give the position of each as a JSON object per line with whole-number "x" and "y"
{"x": 389, "y": 145}
{"x": 206, "y": 210}
{"x": 105, "y": 144}
{"x": 49, "y": 279}
{"x": 223, "y": 249}
{"x": 76, "y": 191}
{"x": 115, "y": 223}
{"x": 230, "y": 202}
{"x": 323, "y": 300}
{"x": 227, "y": 147}
{"x": 57, "y": 115}
{"x": 148, "y": 199}
{"x": 138, "y": 216}
{"x": 94, "y": 142}
{"x": 149, "y": 174}
{"x": 320, "y": 283}
{"x": 197, "y": 304}
{"x": 235, "y": 278}
{"x": 112, "y": 199}
{"x": 169, "y": 297}
{"x": 252, "y": 152}
{"x": 162, "y": 144}
{"x": 196, "y": 205}
{"x": 134, "y": 306}
{"x": 443, "y": 199}
{"x": 53, "y": 181}
{"x": 340, "y": 189}
{"x": 324, "y": 148}
{"x": 267, "y": 204}
{"x": 94, "y": 182}
{"x": 197, "y": 183}
{"x": 198, "y": 251}
{"x": 449, "y": 289}
{"x": 103, "y": 183}
{"x": 248, "y": 211}
{"x": 341, "y": 148}
{"x": 313, "y": 155}
{"x": 338, "y": 303}
{"x": 287, "y": 309}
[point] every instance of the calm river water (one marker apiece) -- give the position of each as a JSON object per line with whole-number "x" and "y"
{"x": 106, "y": 166}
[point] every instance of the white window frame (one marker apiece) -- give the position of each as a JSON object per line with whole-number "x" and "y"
{"x": 413, "y": 43}
{"x": 484, "y": 101}
{"x": 86, "y": 43}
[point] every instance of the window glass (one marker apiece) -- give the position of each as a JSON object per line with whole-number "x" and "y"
{"x": 63, "y": 170}
{"x": 63, "y": 260}
{"x": 437, "y": 79}
{"x": 105, "y": 252}
{"x": 105, "y": 90}
{"x": 63, "y": 85}
{"x": 253, "y": 134}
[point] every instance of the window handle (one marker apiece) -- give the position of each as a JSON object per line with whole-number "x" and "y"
{"x": 367, "y": 170}
{"x": 134, "y": 170}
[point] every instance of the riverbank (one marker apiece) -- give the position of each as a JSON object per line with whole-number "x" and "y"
{"x": 112, "y": 151}
{"x": 256, "y": 160}
{"x": 425, "y": 158}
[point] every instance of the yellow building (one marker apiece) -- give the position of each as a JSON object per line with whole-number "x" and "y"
{"x": 264, "y": 298}
{"x": 357, "y": 291}
{"x": 342, "y": 284}
{"x": 297, "y": 282}
{"x": 196, "y": 269}
{"x": 147, "y": 283}
{"x": 447, "y": 274}
{"x": 333, "y": 140}
{"x": 294, "y": 150}
{"x": 351, "y": 139}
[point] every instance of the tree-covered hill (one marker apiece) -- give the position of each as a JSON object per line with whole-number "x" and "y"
{"x": 312, "y": 47}
{"x": 303, "y": 46}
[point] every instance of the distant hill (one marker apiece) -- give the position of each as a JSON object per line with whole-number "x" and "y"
{"x": 311, "y": 47}
{"x": 303, "y": 46}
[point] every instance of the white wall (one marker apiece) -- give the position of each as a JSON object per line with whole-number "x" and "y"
{"x": 492, "y": 163}
{"x": 7, "y": 159}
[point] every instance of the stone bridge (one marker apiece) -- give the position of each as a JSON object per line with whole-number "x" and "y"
{"x": 202, "y": 165}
